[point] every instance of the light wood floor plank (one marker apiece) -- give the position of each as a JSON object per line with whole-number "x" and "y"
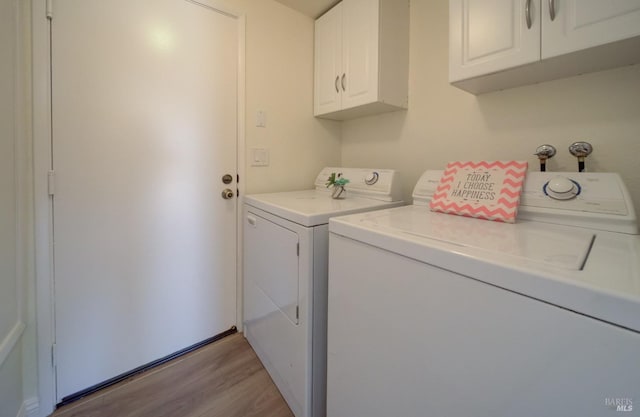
{"x": 223, "y": 379}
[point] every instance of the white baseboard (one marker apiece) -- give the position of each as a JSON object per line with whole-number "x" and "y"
{"x": 29, "y": 408}
{"x": 10, "y": 340}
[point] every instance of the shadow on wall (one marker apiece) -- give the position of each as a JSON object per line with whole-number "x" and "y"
{"x": 376, "y": 129}
{"x": 598, "y": 97}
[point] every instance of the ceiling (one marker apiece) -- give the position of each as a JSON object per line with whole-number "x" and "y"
{"x": 311, "y": 8}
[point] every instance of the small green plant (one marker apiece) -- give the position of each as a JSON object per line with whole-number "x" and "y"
{"x": 336, "y": 180}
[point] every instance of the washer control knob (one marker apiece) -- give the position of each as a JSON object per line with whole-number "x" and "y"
{"x": 561, "y": 188}
{"x": 371, "y": 178}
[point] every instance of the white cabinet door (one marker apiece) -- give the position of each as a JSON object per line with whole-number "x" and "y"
{"x": 581, "y": 24}
{"x": 359, "y": 79}
{"x": 328, "y": 61}
{"x": 492, "y": 35}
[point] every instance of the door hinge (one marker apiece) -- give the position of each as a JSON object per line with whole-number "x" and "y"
{"x": 49, "y": 9}
{"x": 51, "y": 182}
{"x": 298, "y": 249}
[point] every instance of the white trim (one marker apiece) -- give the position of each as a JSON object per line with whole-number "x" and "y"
{"x": 22, "y": 412}
{"x": 42, "y": 203}
{"x": 218, "y": 6}
{"x": 43, "y": 221}
{"x": 11, "y": 339}
{"x": 240, "y": 155}
{"x": 32, "y": 407}
{"x": 18, "y": 138}
{"x": 25, "y": 242}
{"x": 29, "y": 408}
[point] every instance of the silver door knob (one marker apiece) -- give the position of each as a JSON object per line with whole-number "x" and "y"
{"x": 227, "y": 194}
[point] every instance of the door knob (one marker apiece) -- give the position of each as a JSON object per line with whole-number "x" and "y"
{"x": 227, "y": 194}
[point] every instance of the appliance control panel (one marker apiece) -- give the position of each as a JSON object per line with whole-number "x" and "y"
{"x": 381, "y": 184}
{"x": 586, "y": 192}
{"x": 595, "y": 200}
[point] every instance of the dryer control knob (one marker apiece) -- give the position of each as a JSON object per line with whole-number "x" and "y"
{"x": 371, "y": 178}
{"x": 561, "y": 188}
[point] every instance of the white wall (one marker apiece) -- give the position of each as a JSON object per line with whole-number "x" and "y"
{"x": 279, "y": 81}
{"x": 444, "y": 123}
{"x": 11, "y": 397}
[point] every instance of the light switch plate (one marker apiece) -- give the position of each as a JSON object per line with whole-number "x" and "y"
{"x": 261, "y": 118}
{"x": 259, "y": 157}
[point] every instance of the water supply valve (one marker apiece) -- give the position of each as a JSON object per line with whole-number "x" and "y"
{"x": 545, "y": 152}
{"x": 581, "y": 150}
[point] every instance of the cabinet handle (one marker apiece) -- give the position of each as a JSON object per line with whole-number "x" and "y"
{"x": 527, "y": 12}
{"x": 552, "y": 10}
{"x": 336, "y": 84}
{"x": 342, "y": 82}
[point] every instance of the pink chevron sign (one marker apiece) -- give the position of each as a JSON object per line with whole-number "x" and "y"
{"x": 485, "y": 189}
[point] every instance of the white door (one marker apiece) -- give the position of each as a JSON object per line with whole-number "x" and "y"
{"x": 580, "y": 24}
{"x": 492, "y": 35}
{"x": 144, "y": 114}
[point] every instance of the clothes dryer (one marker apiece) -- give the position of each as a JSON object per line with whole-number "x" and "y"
{"x": 285, "y": 277}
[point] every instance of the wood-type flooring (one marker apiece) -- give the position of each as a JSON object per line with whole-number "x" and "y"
{"x": 223, "y": 379}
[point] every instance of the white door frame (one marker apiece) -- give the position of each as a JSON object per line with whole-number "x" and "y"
{"x": 43, "y": 219}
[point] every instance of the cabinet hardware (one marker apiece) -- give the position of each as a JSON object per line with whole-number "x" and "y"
{"x": 527, "y": 12}
{"x": 342, "y": 82}
{"x": 552, "y": 10}
{"x": 336, "y": 84}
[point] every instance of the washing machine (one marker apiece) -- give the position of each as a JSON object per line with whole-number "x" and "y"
{"x": 431, "y": 314}
{"x": 285, "y": 277}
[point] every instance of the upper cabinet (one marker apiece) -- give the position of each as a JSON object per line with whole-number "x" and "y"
{"x": 497, "y": 44}
{"x": 361, "y": 59}
{"x": 489, "y": 36}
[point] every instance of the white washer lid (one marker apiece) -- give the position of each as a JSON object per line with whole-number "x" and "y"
{"x": 530, "y": 242}
{"x": 606, "y": 288}
{"x": 313, "y": 207}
